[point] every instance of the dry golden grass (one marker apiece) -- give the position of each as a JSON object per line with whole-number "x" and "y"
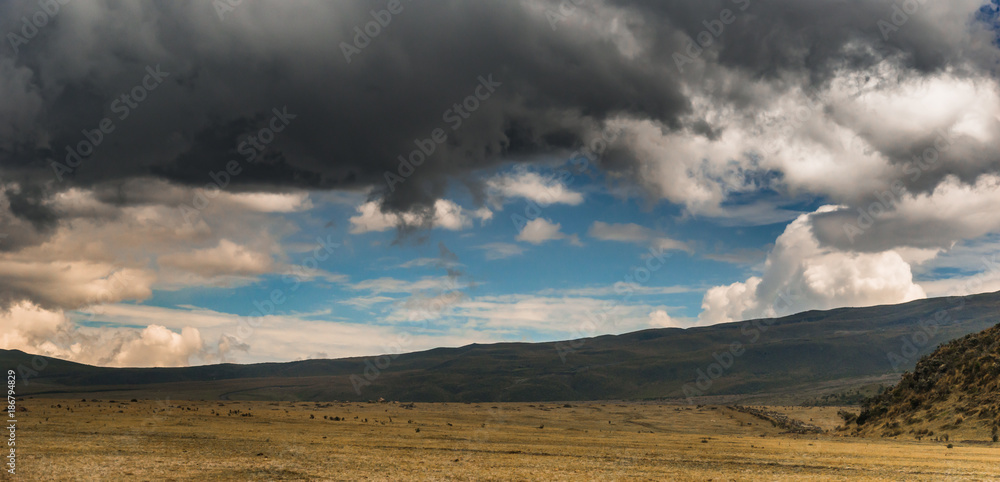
{"x": 182, "y": 440}
{"x": 823, "y": 417}
{"x": 944, "y": 420}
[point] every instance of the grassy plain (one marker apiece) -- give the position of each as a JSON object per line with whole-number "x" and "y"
{"x": 212, "y": 440}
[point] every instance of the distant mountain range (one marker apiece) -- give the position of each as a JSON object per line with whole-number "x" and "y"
{"x": 791, "y": 358}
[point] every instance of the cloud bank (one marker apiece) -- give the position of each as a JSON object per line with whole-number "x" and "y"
{"x": 155, "y": 145}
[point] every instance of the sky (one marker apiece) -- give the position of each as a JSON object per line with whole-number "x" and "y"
{"x": 194, "y": 182}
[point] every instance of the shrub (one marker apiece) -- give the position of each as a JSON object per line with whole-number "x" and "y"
{"x": 848, "y": 417}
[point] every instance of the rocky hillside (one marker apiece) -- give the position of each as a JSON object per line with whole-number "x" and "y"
{"x": 953, "y": 394}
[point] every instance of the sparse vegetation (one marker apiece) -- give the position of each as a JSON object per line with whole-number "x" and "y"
{"x": 848, "y": 417}
{"x": 956, "y": 389}
{"x": 647, "y": 441}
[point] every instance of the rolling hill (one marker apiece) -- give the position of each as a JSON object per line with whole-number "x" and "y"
{"x": 952, "y": 394}
{"x": 791, "y": 358}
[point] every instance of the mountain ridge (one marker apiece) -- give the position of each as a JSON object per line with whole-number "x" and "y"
{"x": 841, "y": 346}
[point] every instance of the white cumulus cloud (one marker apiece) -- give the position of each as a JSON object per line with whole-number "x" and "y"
{"x": 532, "y": 186}
{"x": 801, "y": 275}
{"x": 445, "y": 214}
{"x": 541, "y": 230}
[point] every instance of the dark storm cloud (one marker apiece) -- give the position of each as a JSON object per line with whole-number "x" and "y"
{"x": 550, "y": 83}
{"x": 770, "y": 37}
{"x": 222, "y": 80}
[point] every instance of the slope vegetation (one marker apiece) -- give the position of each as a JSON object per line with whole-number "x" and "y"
{"x": 952, "y": 394}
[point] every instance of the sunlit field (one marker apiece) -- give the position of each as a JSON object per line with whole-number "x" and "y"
{"x": 202, "y": 440}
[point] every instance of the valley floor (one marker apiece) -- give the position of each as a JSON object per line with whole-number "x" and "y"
{"x": 211, "y": 440}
